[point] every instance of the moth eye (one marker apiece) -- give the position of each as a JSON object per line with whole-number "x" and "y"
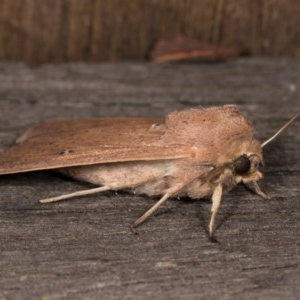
{"x": 242, "y": 165}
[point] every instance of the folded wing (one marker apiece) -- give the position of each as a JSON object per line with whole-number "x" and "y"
{"x": 60, "y": 144}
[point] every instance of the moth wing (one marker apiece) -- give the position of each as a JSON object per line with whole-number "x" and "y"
{"x": 60, "y": 144}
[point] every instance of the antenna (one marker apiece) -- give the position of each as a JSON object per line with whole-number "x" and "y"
{"x": 280, "y": 130}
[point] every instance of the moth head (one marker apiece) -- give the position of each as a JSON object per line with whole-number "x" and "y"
{"x": 246, "y": 167}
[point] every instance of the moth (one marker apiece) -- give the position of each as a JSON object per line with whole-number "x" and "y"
{"x": 196, "y": 152}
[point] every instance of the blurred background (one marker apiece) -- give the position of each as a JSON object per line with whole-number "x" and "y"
{"x": 47, "y": 31}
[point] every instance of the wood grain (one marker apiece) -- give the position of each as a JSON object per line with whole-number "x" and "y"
{"x": 43, "y": 31}
{"x": 84, "y": 249}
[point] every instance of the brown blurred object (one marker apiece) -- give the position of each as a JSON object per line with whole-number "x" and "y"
{"x": 47, "y": 31}
{"x": 182, "y": 48}
{"x": 297, "y": 54}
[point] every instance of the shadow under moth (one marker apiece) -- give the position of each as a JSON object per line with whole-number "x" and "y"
{"x": 197, "y": 153}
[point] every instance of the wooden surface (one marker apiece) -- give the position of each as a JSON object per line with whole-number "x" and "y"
{"x": 43, "y": 31}
{"x": 83, "y": 248}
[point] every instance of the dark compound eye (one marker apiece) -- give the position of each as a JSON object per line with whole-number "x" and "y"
{"x": 242, "y": 165}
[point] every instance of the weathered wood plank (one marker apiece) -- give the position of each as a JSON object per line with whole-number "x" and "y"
{"x": 83, "y": 248}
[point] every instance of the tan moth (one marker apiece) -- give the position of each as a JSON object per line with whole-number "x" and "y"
{"x": 195, "y": 152}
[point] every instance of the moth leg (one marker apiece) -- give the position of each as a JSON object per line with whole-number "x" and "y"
{"x": 169, "y": 193}
{"x": 76, "y": 194}
{"x": 259, "y": 192}
{"x": 216, "y": 201}
{"x": 91, "y": 191}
